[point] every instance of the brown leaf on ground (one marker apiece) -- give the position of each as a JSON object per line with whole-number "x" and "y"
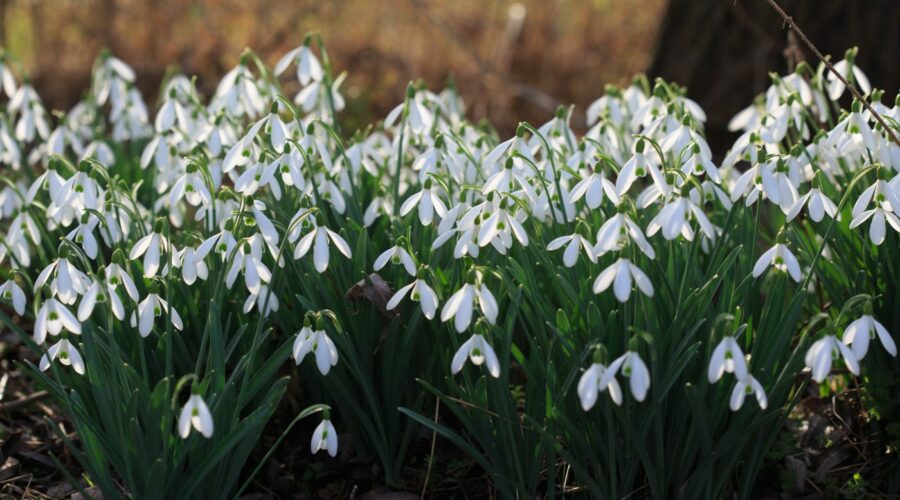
{"x": 375, "y": 290}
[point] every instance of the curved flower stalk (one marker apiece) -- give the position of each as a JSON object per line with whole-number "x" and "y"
{"x": 11, "y": 292}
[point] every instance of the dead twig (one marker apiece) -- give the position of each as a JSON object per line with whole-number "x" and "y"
{"x": 796, "y": 29}
{"x": 437, "y": 408}
{"x": 31, "y": 398}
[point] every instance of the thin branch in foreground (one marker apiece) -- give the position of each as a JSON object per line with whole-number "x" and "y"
{"x": 796, "y": 29}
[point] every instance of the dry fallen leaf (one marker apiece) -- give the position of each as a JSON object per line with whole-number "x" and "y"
{"x": 375, "y": 290}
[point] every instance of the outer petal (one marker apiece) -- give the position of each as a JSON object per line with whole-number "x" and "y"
{"x": 764, "y": 261}
{"x": 885, "y": 338}
{"x": 622, "y": 283}
{"x": 398, "y": 296}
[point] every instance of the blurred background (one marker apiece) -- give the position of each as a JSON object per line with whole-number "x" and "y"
{"x": 512, "y": 60}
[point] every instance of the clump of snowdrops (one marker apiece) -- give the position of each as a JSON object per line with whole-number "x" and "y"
{"x": 611, "y": 311}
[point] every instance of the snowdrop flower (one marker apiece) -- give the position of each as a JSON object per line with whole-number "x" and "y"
{"x": 150, "y": 246}
{"x": 589, "y": 386}
{"x": 52, "y": 318}
{"x": 698, "y": 164}
{"x": 573, "y": 243}
{"x": 255, "y": 272}
{"x": 324, "y": 438}
{"x": 317, "y": 342}
{"x": 221, "y": 243}
{"x": 238, "y": 93}
{"x": 821, "y": 354}
{"x": 639, "y": 165}
{"x": 149, "y": 309}
{"x": 67, "y": 354}
{"x": 851, "y": 73}
{"x": 886, "y": 202}
{"x": 244, "y": 150}
{"x": 421, "y": 293}
{"x": 779, "y": 186}
{"x": 727, "y": 357}
{"x": 396, "y": 255}
{"x": 419, "y": 117}
{"x": 746, "y": 119}
{"x": 502, "y": 181}
{"x": 192, "y": 267}
{"x": 774, "y": 124}
{"x": 83, "y": 235}
{"x": 479, "y": 352}
{"x": 256, "y": 176}
{"x": 32, "y": 121}
{"x": 380, "y": 205}
{"x": 745, "y": 386}
{"x": 263, "y": 300}
{"x": 195, "y": 414}
{"x": 633, "y": 367}
{"x": 428, "y": 201}
{"x": 105, "y": 289}
{"x": 315, "y": 95}
{"x": 859, "y": 332}
{"x": 499, "y": 228}
{"x": 11, "y": 292}
{"x": 617, "y": 231}
{"x": 116, "y": 276}
{"x": 592, "y": 187}
{"x": 90, "y": 299}
{"x": 673, "y": 219}
{"x": 318, "y": 239}
{"x": 781, "y": 258}
{"x": 7, "y": 78}
{"x": 621, "y": 274}
{"x": 308, "y": 67}
{"x": 817, "y": 203}
{"x": 68, "y": 284}
{"x": 461, "y": 304}
{"x": 191, "y": 187}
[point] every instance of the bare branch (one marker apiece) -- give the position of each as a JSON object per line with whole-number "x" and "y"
{"x": 796, "y": 29}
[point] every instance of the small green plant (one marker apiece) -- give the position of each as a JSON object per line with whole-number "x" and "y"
{"x": 610, "y": 310}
